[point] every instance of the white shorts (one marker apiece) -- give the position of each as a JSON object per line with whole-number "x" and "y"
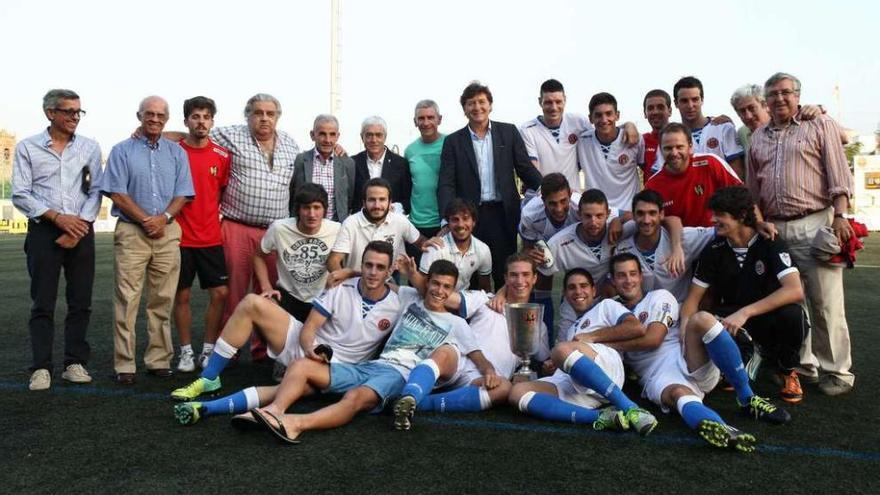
{"x": 574, "y": 393}
{"x": 292, "y": 350}
{"x": 464, "y": 374}
{"x": 673, "y": 371}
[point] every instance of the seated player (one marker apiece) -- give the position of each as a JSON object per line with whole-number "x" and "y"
{"x": 424, "y": 330}
{"x": 676, "y": 370}
{"x": 334, "y": 321}
{"x": 653, "y": 244}
{"x": 756, "y": 287}
{"x": 471, "y": 392}
{"x": 469, "y": 254}
{"x": 578, "y": 290}
{"x": 588, "y": 376}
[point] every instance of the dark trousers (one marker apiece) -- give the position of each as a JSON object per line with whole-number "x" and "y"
{"x": 778, "y": 334}
{"x": 298, "y": 309}
{"x": 45, "y": 259}
{"x": 499, "y": 233}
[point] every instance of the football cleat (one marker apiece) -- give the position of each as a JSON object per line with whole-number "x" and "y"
{"x": 764, "y": 410}
{"x": 404, "y": 409}
{"x": 791, "y": 388}
{"x": 188, "y": 413}
{"x": 641, "y": 420}
{"x": 196, "y": 388}
{"x": 726, "y": 437}
{"x": 611, "y": 418}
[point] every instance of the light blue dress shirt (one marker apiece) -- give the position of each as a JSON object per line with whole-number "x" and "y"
{"x": 485, "y": 164}
{"x": 152, "y": 175}
{"x": 43, "y": 180}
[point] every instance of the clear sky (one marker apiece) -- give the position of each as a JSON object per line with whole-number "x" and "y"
{"x": 397, "y": 52}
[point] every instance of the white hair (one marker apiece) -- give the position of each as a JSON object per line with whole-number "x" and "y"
{"x": 325, "y": 118}
{"x": 374, "y": 120}
{"x": 249, "y": 106}
{"x": 747, "y": 91}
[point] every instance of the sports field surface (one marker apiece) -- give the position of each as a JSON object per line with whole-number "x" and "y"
{"x": 103, "y": 438}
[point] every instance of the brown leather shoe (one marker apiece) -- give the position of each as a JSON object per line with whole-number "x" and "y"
{"x": 161, "y": 372}
{"x": 125, "y": 378}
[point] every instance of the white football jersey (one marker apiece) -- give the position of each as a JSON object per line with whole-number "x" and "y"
{"x": 613, "y": 169}
{"x": 655, "y": 275}
{"x": 477, "y": 259}
{"x": 535, "y": 225}
{"x": 355, "y": 327}
{"x": 555, "y": 149}
{"x": 658, "y": 306}
{"x": 605, "y": 313}
{"x": 570, "y": 251}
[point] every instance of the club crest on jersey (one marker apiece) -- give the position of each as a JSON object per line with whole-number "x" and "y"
{"x": 759, "y": 267}
{"x": 698, "y": 189}
{"x": 572, "y": 138}
{"x": 585, "y": 323}
{"x": 785, "y": 258}
{"x": 623, "y": 159}
{"x": 643, "y": 316}
{"x": 213, "y": 171}
{"x": 384, "y": 324}
{"x": 712, "y": 143}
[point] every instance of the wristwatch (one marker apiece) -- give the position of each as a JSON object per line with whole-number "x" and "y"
{"x": 169, "y": 218}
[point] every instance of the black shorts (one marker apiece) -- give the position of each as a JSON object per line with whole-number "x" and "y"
{"x": 298, "y": 309}
{"x": 208, "y": 262}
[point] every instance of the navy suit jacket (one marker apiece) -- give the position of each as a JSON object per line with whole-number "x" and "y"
{"x": 460, "y": 176}
{"x": 395, "y": 169}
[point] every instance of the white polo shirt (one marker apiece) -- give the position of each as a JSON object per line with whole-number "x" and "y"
{"x": 477, "y": 259}
{"x": 555, "y": 149}
{"x": 357, "y": 232}
{"x": 535, "y": 225}
{"x": 613, "y": 168}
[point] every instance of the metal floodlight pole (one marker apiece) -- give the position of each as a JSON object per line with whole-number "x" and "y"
{"x": 334, "y": 57}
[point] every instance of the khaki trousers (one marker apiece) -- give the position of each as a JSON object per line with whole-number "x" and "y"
{"x": 137, "y": 257}
{"x": 828, "y": 348}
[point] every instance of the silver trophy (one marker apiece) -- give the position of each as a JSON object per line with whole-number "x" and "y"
{"x": 524, "y": 326}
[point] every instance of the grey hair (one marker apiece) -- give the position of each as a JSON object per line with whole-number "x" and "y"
{"x": 780, "y": 76}
{"x": 426, "y": 104}
{"x": 374, "y": 120}
{"x": 747, "y": 91}
{"x": 153, "y": 97}
{"x": 325, "y": 118}
{"x": 50, "y": 101}
{"x": 249, "y": 106}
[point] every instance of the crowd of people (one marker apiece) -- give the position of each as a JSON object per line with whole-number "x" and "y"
{"x": 684, "y": 252}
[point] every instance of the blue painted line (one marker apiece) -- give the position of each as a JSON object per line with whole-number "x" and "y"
{"x": 91, "y": 390}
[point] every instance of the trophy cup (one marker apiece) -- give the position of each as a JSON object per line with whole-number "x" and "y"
{"x": 523, "y": 325}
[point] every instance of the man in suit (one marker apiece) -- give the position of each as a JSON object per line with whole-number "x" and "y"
{"x": 477, "y": 164}
{"x": 378, "y": 161}
{"x": 320, "y": 165}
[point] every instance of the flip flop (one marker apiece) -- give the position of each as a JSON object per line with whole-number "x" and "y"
{"x": 279, "y": 431}
{"x": 245, "y": 422}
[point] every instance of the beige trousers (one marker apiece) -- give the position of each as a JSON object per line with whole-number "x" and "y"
{"x": 137, "y": 257}
{"x": 828, "y": 348}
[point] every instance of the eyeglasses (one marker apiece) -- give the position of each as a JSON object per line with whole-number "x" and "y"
{"x": 70, "y": 112}
{"x": 782, "y": 93}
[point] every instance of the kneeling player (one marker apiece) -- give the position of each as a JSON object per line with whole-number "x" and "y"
{"x": 423, "y": 330}
{"x": 354, "y": 336}
{"x": 588, "y": 375}
{"x": 676, "y": 377}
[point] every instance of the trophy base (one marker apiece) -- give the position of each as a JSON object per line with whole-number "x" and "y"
{"x": 524, "y": 375}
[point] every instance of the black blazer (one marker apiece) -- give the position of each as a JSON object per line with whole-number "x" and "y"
{"x": 395, "y": 169}
{"x": 460, "y": 177}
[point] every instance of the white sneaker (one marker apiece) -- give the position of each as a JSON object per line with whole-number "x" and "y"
{"x": 40, "y": 380}
{"x": 76, "y": 373}
{"x": 187, "y": 362}
{"x": 203, "y": 359}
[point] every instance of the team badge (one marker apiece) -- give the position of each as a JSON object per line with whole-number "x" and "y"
{"x": 759, "y": 267}
{"x": 213, "y": 171}
{"x": 643, "y": 316}
{"x": 623, "y": 159}
{"x": 665, "y": 308}
{"x": 698, "y": 189}
{"x": 572, "y": 138}
{"x": 384, "y": 324}
{"x": 585, "y": 323}
{"x": 712, "y": 143}
{"x": 785, "y": 258}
